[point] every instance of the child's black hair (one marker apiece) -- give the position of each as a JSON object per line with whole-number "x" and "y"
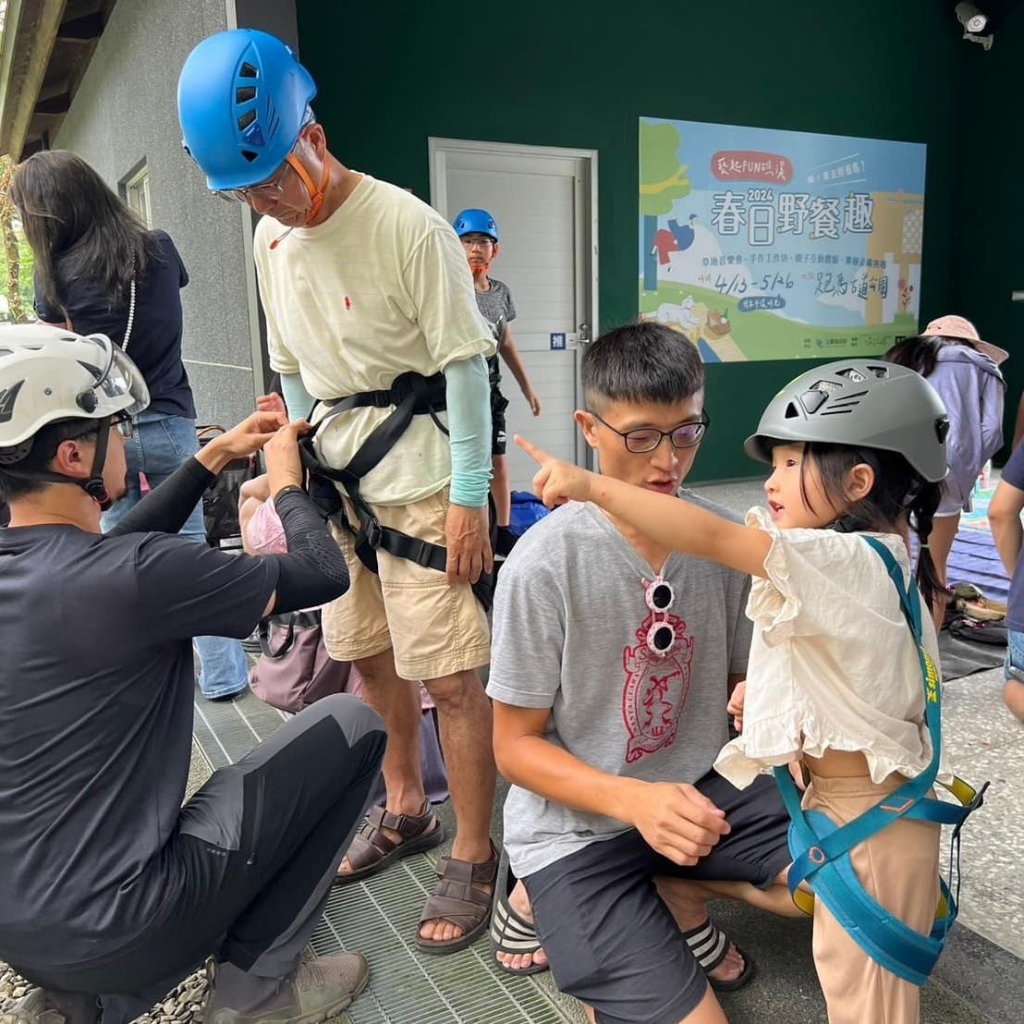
{"x": 900, "y": 495}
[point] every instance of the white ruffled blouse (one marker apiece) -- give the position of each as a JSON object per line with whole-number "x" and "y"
{"x": 833, "y": 664}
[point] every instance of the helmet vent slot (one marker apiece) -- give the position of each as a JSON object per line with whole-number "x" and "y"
{"x": 246, "y": 119}
{"x": 249, "y": 155}
{"x": 851, "y": 373}
{"x": 248, "y": 71}
{"x": 244, "y": 93}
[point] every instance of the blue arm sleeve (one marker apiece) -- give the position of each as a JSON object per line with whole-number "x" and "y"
{"x": 296, "y": 397}
{"x": 469, "y": 427}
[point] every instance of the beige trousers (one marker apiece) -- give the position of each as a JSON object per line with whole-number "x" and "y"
{"x": 899, "y": 866}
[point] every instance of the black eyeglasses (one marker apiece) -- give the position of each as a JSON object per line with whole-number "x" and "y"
{"x": 122, "y": 421}
{"x": 646, "y": 439}
{"x": 124, "y": 424}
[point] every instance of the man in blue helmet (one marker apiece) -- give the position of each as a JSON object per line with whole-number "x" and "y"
{"x": 478, "y": 232}
{"x": 370, "y": 312}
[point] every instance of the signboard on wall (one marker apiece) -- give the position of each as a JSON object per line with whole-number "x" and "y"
{"x": 760, "y": 244}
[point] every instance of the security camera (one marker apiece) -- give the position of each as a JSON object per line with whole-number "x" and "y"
{"x": 971, "y": 18}
{"x": 973, "y": 22}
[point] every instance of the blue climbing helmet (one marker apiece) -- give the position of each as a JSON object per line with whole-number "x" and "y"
{"x": 471, "y": 222}
{"x": 243, "y": 100}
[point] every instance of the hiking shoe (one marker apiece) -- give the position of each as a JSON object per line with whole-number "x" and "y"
{"x": 42, "y": 1007}
{"x": 320, "y": 989}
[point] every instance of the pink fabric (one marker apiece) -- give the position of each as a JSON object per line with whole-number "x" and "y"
{"x": 264, "y": 532}
{"x": 355, "y": 685}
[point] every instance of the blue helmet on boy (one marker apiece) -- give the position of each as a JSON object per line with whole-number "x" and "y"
{"x": 243, "y": 100}
{"x": 473, "y": 222}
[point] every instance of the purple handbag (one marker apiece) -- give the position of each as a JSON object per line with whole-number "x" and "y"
{"x": 295, "y": 669}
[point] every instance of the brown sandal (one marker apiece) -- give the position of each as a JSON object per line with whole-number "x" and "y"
{"x": 372, "y": 850}
{"x": 456, "y": 899}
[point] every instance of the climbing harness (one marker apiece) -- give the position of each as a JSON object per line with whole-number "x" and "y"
{"x": 821, "y": 849}
{"x": 411, "y": 394}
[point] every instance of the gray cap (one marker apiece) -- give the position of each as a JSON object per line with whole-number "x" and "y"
{"x": 864, "y": 403}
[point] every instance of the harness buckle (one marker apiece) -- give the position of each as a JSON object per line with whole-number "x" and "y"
{"x": 373, "y": 531}
{"x": 979, "y": 799}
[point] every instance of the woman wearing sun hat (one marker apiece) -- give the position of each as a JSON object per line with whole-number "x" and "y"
{"x": 965, "y": 372}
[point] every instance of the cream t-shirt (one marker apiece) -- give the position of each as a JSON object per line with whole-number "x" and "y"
{"x": 380, "y": 288}
{"x": 833, "y": 664}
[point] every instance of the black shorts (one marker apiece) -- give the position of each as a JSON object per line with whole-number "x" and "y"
{"x": 499, "y": 436}
{"x": 609, "y": 938}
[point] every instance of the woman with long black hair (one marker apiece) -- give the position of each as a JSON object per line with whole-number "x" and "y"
{"x": 98, "y": 270}
{"x": 964, "y": 370}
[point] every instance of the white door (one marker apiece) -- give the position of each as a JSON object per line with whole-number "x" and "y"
{"x": 544, "y": 203}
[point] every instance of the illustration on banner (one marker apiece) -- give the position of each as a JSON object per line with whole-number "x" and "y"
{"x": 760, "y": 244}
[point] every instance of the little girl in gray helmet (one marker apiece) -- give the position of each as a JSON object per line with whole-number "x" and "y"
{"x": 837, "y": 679}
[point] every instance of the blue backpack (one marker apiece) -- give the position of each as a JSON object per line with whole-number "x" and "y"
{"x": 527, "y": 509}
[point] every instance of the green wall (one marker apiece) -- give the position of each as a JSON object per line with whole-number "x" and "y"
{"x": 987, "y": 206}
{"x": 566, "y": 73}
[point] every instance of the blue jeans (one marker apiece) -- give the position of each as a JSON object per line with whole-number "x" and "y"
{"x": 160, "y": 445}
{"x": 1014, "y": 664}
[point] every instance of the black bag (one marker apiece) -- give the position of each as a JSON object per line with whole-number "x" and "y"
{"x": 963, "y": 627}
{"x": 220, "y": 502}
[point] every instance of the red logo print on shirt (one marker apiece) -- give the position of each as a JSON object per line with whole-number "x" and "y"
{"x": 656, "y": 689}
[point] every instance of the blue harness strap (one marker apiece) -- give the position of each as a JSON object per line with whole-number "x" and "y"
{"x": 821, "y": 849}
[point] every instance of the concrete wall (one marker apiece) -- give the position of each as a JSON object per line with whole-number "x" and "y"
{"x": 125, "y": 112}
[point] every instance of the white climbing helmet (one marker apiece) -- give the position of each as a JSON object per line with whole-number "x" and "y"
{"x": 49, "y": 374}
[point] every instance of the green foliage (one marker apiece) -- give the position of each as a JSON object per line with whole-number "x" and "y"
{"x": 25, "y": 288}
{"x": 662, "y": 178}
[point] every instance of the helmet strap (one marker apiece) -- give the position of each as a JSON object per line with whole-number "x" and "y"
{"x": 315, "y": 194}
{"x": 94, "y": 486}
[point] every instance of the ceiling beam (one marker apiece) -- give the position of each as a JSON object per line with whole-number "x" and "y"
{"x": 30, "y": 33}
{"x": 81, "y": 30}
{"x": 58, "y": 105}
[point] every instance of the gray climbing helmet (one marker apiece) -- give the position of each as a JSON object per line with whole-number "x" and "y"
{"x": 864, "y": 403}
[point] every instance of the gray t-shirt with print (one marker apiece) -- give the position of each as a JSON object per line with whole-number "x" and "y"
{"x": 498, "y": 309}
{"x": 570, "y": 622}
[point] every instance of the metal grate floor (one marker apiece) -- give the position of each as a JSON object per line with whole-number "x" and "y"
{"x": 378, "y": 917}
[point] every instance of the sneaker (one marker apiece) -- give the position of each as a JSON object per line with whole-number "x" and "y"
{"x": 42, "y": 1007}
{"x": 251, "y": 644}
{"x": 320, "y": 989}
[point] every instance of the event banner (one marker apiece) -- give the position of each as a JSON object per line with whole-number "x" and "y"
{"x": 761, "y": 244}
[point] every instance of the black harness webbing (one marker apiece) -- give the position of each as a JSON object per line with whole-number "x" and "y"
{"x": 411, "y": 395}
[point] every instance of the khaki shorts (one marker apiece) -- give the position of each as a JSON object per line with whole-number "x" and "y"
{"x": 436, "y": 630}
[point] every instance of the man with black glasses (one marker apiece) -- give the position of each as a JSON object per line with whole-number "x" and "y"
{"x": 614, "y": 660}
